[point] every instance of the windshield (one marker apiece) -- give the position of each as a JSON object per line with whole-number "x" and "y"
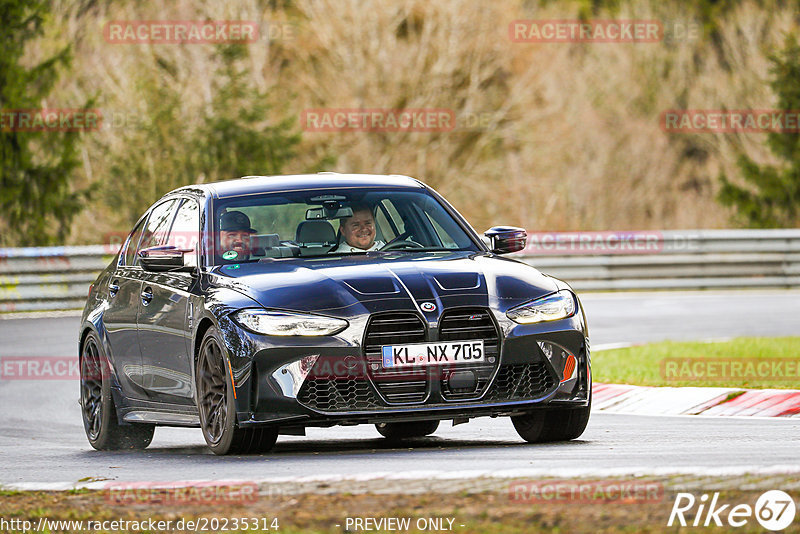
{"x": 333, "y": 222}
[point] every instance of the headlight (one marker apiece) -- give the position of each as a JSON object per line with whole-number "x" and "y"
{"x": 559, "y": 305}
{"x": 278, "y": 323}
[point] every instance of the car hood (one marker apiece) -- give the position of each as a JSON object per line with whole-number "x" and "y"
{"x": 364, "y": 283}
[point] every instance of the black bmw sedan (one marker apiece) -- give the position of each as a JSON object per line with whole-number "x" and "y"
{"x": 266, "y": 305}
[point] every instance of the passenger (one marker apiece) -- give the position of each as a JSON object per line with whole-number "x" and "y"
{"x": 358, "y": 231}
{"x": 234, "y": 236}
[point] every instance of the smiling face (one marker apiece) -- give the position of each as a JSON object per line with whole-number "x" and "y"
{"x": 359, "y": 230}
{"x": 236, "y": 240}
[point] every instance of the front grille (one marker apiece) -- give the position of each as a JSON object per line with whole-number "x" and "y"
{"x": 464, "y": 324}
{"x": 522, "y": 381}
{"x": 513, "y": 382}
{"x": 397, "y": 386}
{"x": 385, "y": 388}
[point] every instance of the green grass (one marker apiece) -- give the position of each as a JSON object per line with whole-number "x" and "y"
{"x": 765, "y": 363}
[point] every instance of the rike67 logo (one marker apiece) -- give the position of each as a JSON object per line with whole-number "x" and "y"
{"x": 774, "y": 510}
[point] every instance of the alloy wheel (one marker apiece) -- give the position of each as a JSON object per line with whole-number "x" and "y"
{"x": 92, "y": 388}
{"x": 212, "y": 390}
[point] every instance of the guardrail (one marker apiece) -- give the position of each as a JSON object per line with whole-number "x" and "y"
{"x": 58, "y": 278}
{"x": 49, "y": 278}
{"x": 701, "y": 259}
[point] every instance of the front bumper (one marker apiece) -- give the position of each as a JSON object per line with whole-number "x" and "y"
{"x": 338, "y": 393}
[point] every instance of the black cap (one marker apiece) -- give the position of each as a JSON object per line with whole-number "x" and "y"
{"x": 235, "y": 221}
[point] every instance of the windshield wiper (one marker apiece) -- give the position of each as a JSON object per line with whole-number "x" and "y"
{"x": 430, "y": 249}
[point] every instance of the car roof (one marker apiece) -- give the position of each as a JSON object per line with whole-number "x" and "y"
{"x": 249, "y": 185}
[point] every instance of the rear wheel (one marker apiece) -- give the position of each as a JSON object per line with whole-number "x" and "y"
{"x": 217, "y": 407}
{"x": 554, "y": 424}
{"x": 97, "y": 405}
{"x": 414, "y": 429}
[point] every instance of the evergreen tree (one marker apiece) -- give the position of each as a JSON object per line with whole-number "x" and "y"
{"x": 237, "y": 139}
{"x": 770, "y": 196}
{"x": 237, "y": 135}
{"x": 37, "y": 168}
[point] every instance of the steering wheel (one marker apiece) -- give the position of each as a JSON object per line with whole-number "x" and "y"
{"x": 402, "y": 236}
{"x": 397, "y": 243}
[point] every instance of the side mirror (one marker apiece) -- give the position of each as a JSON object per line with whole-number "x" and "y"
{"x": 505, "y": 239}
{"x": 163, "y": 258}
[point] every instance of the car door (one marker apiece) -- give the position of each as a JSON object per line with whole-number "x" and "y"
{"x": 119, "y": 317}
{"x": 163, "y": 316}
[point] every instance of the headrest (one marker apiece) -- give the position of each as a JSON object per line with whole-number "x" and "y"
{"x": 265, "y": 241}
{"x": 317, "y": 232}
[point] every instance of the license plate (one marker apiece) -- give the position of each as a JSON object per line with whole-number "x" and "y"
{"x": 398, "y": 356}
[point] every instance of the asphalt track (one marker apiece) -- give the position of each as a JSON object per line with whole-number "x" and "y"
{"x": 42, "y": 439}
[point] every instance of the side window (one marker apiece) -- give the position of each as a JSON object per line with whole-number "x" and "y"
{"x": 445, "y": 238}
{"x": 383, "y": 224}
{"x": 397, "y": 221}
{"x": 185, "y": 233}
{"x": 132, "y": 244}
{"x": 157, "y": 229}
{"x": 444, "y": 228}
{"x": 388, "y": 220}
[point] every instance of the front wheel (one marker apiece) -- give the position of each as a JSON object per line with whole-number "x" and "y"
{"x": 554, "y": 424}
{"x": 97, "y": 406}
{"x": 407, "y": 430}
{"x": 217, "y": 407}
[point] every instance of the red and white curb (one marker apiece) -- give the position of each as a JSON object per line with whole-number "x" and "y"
{"x": 648, "y": 400}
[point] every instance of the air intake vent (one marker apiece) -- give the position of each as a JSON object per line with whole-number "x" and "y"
{"x": 522, "y": 381}
{"x": 337, "y": 395}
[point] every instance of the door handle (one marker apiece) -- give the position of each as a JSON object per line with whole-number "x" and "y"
{"x": 147, "y": 296}
{"x": 113, "y": 287}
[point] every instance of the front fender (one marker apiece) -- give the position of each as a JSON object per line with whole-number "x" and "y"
{"x": 213, "y": 310}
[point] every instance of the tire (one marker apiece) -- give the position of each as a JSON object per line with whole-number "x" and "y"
{"x": 99, "y": 414}
{"x": 217, "y": 406}
{"x": 555, "y": 424}
{"x": 415, "y": 429}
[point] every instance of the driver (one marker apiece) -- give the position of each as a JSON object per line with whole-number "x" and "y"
{"x": 234, "y": 236}
{"x": 358, "y": 231}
